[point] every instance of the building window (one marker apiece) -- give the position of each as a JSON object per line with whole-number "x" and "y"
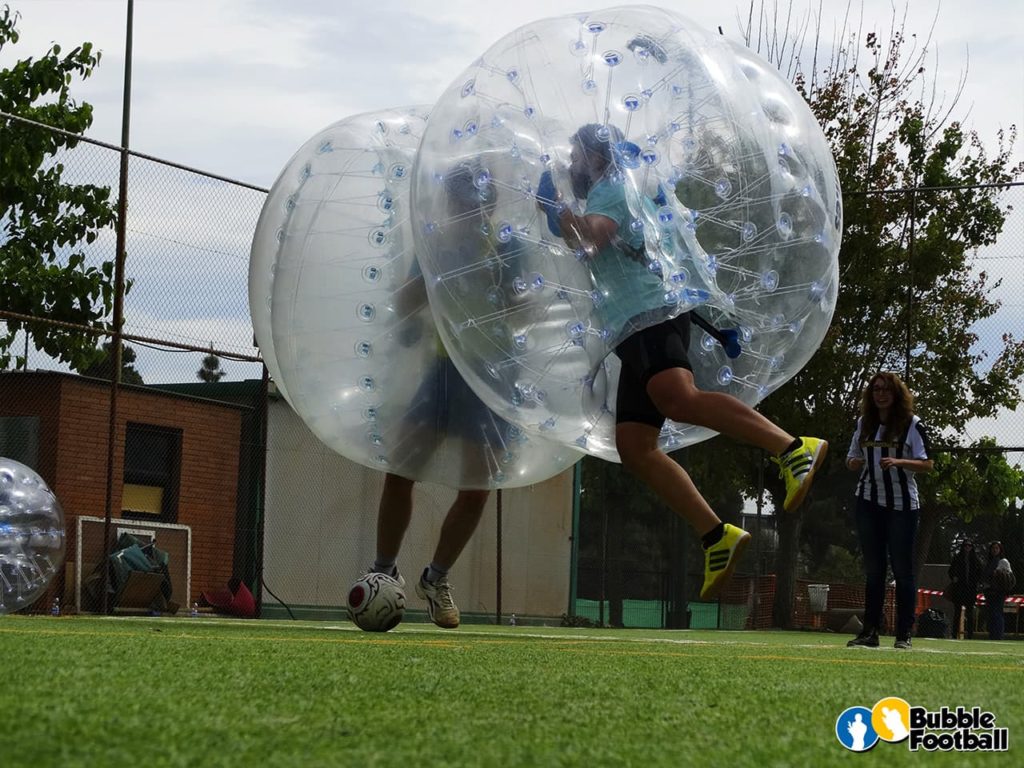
{"x": 152, "y": 462}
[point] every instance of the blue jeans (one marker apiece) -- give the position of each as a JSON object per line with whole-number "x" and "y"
{"x": 996, "y": 619}
{"x": 888, "y": 534}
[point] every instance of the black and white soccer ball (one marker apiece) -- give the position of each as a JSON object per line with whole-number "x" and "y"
{"x": 376, "y": 602}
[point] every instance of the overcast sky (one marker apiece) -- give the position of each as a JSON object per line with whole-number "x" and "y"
{"x": 235, "y": 86}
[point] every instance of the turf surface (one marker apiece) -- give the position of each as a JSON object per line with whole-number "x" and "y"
{"x": 207, "y": 692}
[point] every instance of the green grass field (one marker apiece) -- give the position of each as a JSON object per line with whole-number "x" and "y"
{"x": 209, "y": 692}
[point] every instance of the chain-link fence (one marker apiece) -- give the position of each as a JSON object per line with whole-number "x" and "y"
{"x": 185, "y": 465}
{"x": 645, "y": 570}
{"x": 208, "y": 463}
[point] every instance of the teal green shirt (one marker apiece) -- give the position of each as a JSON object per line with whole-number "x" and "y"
{"x": 627, "y": 286}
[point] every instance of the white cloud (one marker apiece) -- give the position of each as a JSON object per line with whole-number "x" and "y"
{"x": 261, "y": 75}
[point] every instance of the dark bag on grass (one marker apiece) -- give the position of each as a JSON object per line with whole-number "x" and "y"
{"x": 932, "y": 623}
{"x": 129, "y": 555}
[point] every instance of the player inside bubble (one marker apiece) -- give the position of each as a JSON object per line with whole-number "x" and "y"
{"x": 733, "y": 210}
{"x": 351, "y": 339}
{"x": 443, "y": 401}
{"x": 630, "y": 282}
{"x": 656, "y": 381}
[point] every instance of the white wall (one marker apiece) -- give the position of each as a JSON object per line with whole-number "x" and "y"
{"x": 320, "y": 528}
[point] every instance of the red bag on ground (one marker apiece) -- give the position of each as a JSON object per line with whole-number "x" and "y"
{"x": 236, "y": 600}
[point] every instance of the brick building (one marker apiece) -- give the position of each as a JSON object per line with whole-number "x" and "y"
{"x": 177, "y": 464}
{"x": 190, "y": 458}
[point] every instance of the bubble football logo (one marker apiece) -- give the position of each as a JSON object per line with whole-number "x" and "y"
{"x": 943, "y": 730}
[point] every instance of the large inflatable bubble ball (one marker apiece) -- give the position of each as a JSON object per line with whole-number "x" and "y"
{"x": 31, "y": 536}
{"x": 340, "y": 310}
{"x": 719, "y": 181}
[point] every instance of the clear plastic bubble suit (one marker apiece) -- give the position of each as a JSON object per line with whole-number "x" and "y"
{"x": 340, "y": 312}
{"x": 731, "y": 195}
{"x": 31, "y": 536}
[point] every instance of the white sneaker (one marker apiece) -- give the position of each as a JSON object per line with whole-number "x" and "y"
{"x": 440, "y": 605}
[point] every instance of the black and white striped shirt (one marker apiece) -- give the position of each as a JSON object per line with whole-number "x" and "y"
{"x": 894, "y": 488}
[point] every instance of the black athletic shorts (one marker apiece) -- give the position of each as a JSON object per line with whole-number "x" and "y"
{"x": 644, "y": 354}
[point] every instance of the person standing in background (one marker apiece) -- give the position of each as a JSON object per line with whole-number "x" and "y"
{"x": 998, "y": 580}
{"x": 964, "y": 576}
{"x": 889, "y": 447}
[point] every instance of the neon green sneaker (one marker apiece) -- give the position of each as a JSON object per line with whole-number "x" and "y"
{"x": 797, "y": 468}
{"x": 720, "y": 560}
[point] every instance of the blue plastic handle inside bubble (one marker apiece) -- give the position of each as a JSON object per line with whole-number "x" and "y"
{"x": 730, "y": 341}
{"x": 547, "y": 196}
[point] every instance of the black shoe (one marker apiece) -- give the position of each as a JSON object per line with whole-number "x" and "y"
{"x": 902, "y": 643}
{"x": 865, "y": 640}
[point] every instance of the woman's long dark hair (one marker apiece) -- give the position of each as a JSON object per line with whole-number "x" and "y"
{"x": 900, "y": 414}
{"x": 994, "y": 557}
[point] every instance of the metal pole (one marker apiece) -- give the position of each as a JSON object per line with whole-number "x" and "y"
{"x": 604, "y": 560}
{"x": 497, "y": 567}
{"x": 574, "y": 550}
{"x": 758, "y": 565}
{"x": 261, "y": 500}
{"x": 760, "y": 512}
{"x": 910, "y": 280}
{"x": 119, "y": 256}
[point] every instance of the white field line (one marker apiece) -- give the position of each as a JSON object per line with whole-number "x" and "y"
{"x": 723, "y": 637}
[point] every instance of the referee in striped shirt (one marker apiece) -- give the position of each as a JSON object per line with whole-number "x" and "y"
{"x": 889, "y": 446}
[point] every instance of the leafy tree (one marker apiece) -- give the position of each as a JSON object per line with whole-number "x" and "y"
{"x": 103, "y": 365}
{"x": 911, "y": 294}
{"x": 966, "y": 485}
{"x": 211, "y": 372}
{"x": 44, "y": 220}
